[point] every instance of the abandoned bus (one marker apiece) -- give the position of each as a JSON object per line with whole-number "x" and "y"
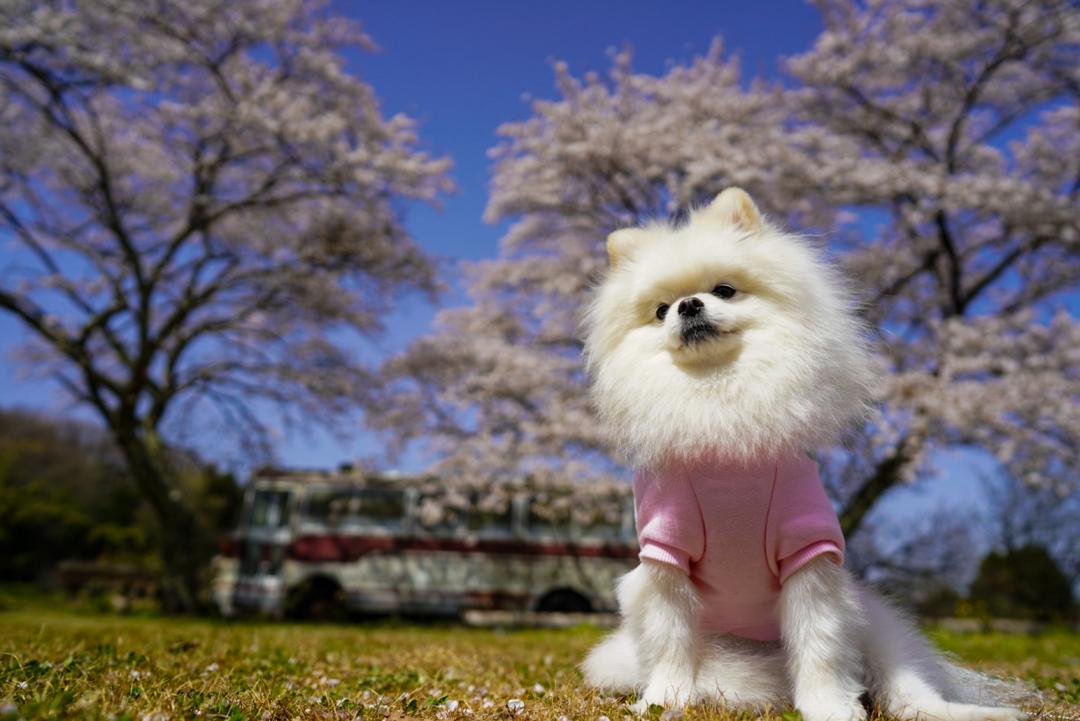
{"x": 320, "y": 544}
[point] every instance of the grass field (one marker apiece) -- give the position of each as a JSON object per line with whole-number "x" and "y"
{"x": 56, "y": 664}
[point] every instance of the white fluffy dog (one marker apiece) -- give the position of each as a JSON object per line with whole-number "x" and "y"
{"x": 722, "y": 350}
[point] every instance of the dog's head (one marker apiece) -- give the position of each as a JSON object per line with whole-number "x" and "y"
{"x": 724, "y": 336}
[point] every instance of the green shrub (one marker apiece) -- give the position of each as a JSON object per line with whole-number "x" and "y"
{"x": 1022, "y": 583}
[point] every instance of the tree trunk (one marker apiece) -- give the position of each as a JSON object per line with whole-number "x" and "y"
{"x": 182, "y": 538}
{"x": 884, "y": 477}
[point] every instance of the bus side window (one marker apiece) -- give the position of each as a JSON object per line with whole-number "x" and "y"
{"x": 435, "y": 518}
{"x": 327, "y": 505}
{"x": 629, "y": 525}
{"x": 363, "y": 508}
{"x": 601, "y": 528}
{"x": 492, "y": 524}
{"x": 377, "y": 508}
{"x": 544, "y": 522}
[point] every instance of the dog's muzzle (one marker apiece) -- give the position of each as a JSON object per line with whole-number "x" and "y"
{"x": 696, "y": 330}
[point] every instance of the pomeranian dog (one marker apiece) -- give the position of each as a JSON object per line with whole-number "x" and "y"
{"x": 721, "y": 351}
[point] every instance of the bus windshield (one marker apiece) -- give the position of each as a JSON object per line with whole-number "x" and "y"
{"x": 268, "y": 509}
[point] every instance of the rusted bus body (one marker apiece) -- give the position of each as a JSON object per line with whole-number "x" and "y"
{"x": 314, "y": 543}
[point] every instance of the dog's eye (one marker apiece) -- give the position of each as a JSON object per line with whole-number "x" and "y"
{"x": 661, "y": 311}
{"x": 724, "y": 291}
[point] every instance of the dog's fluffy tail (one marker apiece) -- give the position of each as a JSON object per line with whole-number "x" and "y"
{"x": 905, "y": 669}
{"x": 972, "y": 687}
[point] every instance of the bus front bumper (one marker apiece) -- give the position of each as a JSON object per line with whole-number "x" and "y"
{"x": 259, "y": 594}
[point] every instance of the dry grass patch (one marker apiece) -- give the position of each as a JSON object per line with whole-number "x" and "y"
{"x": 59, "y": 665}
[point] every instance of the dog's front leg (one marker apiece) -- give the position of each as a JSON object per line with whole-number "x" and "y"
{"x": 660, "y": 606}
{"x": 820, "y": 622}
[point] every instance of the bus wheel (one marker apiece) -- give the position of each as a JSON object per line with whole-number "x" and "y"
{"x": 563, "y": 600}
{"x": 320, "y": 599}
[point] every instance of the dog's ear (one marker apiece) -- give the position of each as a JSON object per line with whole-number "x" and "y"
{"x": 621, "y": 244}
{"x": 735, "y": 208}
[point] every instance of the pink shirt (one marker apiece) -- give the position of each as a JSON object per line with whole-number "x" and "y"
{"x": 738, "y": 531}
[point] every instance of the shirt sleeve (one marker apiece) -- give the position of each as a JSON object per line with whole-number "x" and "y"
{"x": 669, "y": 523}
{"x": 802, "y": 522}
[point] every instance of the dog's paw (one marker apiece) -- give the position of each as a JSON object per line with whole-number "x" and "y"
{"x": 831, "y": 706}
{"x": 667, "y": 691}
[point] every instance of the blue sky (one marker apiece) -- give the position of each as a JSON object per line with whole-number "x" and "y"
{"x": 464, "y": 68}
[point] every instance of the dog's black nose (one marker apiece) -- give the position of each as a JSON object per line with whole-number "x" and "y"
{"x": 689, "y": 307}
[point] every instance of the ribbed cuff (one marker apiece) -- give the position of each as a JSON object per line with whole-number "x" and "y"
{"x": 666, "y": 554}
{"x": 800, "y": 558}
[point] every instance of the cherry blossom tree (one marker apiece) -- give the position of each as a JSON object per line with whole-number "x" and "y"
{"x": 202, "y": 208}
{"x": 936, "y": 142}
{"x": 959, "y": 126}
